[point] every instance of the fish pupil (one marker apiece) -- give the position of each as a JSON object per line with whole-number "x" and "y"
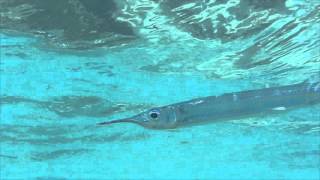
{"x": 153, "y": 115}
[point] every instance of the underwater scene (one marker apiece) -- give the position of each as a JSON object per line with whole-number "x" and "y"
{"x": 160, "y": 89}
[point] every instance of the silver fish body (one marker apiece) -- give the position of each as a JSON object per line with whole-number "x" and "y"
{"x": 227, "y": 106}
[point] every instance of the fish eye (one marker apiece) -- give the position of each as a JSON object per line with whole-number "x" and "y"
{"x": 154, "y": 114}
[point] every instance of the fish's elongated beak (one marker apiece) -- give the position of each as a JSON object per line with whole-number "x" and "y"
{"x": 126, "y": 120}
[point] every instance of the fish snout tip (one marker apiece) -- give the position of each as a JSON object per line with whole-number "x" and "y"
{"x": 102, "y": 123}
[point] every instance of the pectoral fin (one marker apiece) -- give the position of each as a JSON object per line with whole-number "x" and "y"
{"x": 281, "y": 108}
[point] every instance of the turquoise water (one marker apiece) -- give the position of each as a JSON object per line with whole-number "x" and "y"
{"x": 52, "y": 96}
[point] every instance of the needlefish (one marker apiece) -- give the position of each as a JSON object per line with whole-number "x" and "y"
{"x": 226, "y": 106}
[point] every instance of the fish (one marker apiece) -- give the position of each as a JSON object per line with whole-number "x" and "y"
{"x": 226, "y": 106}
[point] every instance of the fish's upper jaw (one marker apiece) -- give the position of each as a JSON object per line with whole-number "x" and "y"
{"x": 126, "y": 120}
